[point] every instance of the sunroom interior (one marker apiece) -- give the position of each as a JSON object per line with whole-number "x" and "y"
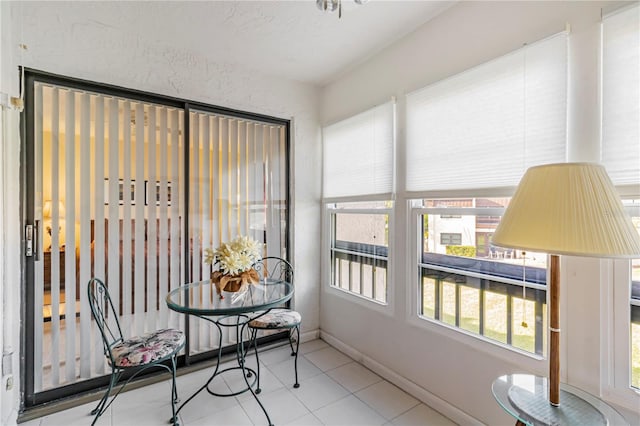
{"x": 376, "y": 150}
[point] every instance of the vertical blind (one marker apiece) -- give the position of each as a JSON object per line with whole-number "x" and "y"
{"x": 358, "y": 154}
{"x": 108, "y": 171}
{"x": 620, "y": 152}
{"x": 237, "y": 173}
{"x": 483, "y": 127}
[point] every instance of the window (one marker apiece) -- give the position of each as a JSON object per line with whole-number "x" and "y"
{"x": 360, "y": 248}
{"x": 358, "y": 158}
{"x": 496, "y": 293}
{"x": 450, "y": 239}
{"x": 631, "y": 281}
{"x": 497, "y": 119}
{"x": 621, "y": 315}
{"x": 514, "y": 114}
{"x": 620, "y": 154}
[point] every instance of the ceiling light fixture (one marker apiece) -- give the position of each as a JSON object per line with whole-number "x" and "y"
{"x": 333, "y": 5}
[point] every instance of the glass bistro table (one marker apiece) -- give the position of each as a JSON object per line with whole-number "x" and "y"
{"x": 235, "y": 310}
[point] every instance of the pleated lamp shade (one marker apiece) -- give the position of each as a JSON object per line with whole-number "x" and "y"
{"x": 568, "y": 209}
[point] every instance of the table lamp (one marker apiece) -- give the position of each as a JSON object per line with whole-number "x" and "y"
{"x": 566, "y": 209}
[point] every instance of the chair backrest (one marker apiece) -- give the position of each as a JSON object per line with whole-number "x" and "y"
{"x": 105, "y": 315}
{"x": 274, "y": 268}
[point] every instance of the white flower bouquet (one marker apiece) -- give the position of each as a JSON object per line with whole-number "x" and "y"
{"x": 235, "y": 260}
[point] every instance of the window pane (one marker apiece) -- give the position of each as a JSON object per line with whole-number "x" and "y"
{"x": 365, "y": 229}
{"x": 470, "y": 309}
{"x": 428, "y": 297}
{"x": 472, "y": 233}
{"x": 523, "y": 325}
{"x": 635, "y": 311}
{"x": 471, "y": 284}
{"x": 359, "y": 248}
{"x": 449, "y": 303}
{"x": 635, "y": 352}
{"x": 380, "y": 284}
{"x": 343, "y": 274}
{"x": 495, "y": 319}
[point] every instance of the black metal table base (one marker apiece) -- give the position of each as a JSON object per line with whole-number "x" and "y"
{"x": 240, "y": 325}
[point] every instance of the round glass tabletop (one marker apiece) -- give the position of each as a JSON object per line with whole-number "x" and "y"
{"x": 201, "y": 298}
{"x": 525, "y": 397}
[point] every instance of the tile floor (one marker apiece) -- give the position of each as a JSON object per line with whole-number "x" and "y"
{"x": 334, "y": 390}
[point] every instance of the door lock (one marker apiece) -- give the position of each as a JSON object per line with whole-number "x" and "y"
{"x": 28, "y": 235}
{"x": 31, "y": 239}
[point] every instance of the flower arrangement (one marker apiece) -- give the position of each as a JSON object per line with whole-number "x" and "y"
{"x": 235, "y": 259}
{"x": 236, "y": 256}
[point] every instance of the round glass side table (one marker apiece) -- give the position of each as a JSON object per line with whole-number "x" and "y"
{"x": 525, "y": 397}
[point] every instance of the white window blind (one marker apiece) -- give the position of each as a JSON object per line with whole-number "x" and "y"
{"x": 621, "y": 96}
{"x": 358, "y": 154}
{"x": 483, "y": 127}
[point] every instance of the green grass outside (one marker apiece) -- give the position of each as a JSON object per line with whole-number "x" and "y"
{"x": 523, "y": 341}
{"x": 495, "y": 316}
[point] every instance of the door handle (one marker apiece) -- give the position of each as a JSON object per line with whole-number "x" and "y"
{"x": 28, "y": 236}
{"x": 31, "y": 239}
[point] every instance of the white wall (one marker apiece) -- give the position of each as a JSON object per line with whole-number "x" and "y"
{"x": 85, "y": 49}
{"x": 451, "y": 366}
{"x": 9, "y": 229}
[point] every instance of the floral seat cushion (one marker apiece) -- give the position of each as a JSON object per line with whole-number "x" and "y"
{"x": 148, "y": 348}
{"x": 277, "y": 318}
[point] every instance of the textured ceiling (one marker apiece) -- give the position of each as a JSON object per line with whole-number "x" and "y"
{"x": 290, "y": 39}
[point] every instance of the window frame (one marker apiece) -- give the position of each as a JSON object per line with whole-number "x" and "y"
{"x": 387, "y": 307}
{"x": 615, "y": 330}
{"x": 616, "y": 275}
{"x": 534, "y": 362}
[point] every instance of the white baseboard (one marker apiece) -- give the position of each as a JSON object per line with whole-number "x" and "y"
{"x": 433, "y": 401}
{"x": 307, "y": 336}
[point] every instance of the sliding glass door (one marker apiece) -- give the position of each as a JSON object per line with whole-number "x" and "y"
{"x": 131, "y": 188}
{"x": 237, "y": 181}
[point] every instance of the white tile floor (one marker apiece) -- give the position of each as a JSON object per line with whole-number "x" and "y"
{"x": 334, "y": 390}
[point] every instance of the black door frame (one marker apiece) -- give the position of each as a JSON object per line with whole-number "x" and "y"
{"x": 27, "y": 173}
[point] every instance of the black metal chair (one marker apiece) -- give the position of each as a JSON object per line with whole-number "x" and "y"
{"x": 275, "y": 268}
{"x": 140, "y": 352}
